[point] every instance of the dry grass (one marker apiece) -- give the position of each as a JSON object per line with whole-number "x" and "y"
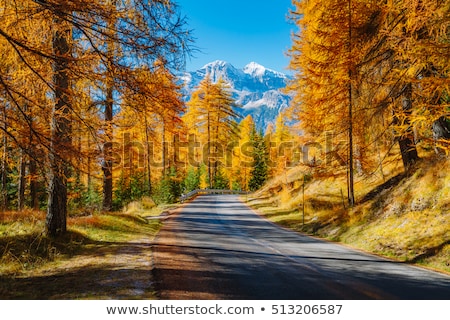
{"x": 97, "y": 248}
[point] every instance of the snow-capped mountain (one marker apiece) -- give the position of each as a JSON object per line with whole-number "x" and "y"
{"x": 256, "y": 89}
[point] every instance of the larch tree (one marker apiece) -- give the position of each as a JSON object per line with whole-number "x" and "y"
{"x": 371, "y": 70}
{"x": 281, "y": 146}
{"x": 339, "y": 79}
{"x": 419, "y": 42}
{"x": 211, "y": 118}
{"x": 242, "y": 162}
{"x": 61, "y": 127}
{"x": 158, "y": 106}
{"x": 325, "y": 55}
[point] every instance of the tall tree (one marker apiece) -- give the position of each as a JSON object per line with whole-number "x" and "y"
{"x": 260, "y": 155}
{"x": 281, "y": 149}
{"x": 111, "y": 56}
{"x": 242, "y": 163}
{"x": 210, "y": 117}
{"x": 61, "y": 128}
{"x": 326, "y": 55}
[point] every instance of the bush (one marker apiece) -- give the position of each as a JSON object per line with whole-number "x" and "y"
{"x": 168, "y": 190}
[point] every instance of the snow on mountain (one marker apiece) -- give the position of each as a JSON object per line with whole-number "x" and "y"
{"x": 257, "y": 90}
{"x": 254, "y": 69}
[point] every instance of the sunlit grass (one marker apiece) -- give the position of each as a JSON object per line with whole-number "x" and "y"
{"x": 114, "y": 227}
{"x": 24, "y": 246}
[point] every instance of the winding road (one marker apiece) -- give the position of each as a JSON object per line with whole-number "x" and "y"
{"x": 215, "y": 247}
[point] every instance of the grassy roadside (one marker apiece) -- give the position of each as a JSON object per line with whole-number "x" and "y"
{"x": 103, "y": 256}
{"x": 406, "y": 218}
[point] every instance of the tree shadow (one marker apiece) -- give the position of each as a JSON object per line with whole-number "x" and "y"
{"x": 90, "y": 270}
{"x": 392, "y": 182}
{"x": 429, "y": 252}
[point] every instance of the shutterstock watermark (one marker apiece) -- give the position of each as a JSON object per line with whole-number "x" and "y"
{"x": 190, "y": 152}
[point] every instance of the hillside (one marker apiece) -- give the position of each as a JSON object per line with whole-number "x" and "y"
{"x": 405, "y": 217}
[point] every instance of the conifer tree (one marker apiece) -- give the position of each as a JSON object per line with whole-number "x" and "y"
{"x": 395, "y": 77}
{"x": 281, "y": 151}
{"x": 211, "y": 118}
{"x": 192, "y": 180}
{"x": 242, "y": 162}
{"x": 259, "y": 173}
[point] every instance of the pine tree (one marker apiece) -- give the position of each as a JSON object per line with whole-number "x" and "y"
{"x": 192, "y": 180}
{"x": 259, "y": 173}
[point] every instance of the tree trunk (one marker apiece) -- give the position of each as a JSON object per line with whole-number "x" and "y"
{"x": 164, "y": 148}
{"x": 209, "y": 152}
{"x": 88, "y": 173}
{"x": 351, "y": 179}
{"x": 56, "y": 223}
{"x": 4, "y": 175}
{"x": 406, "y": 141}
{"x": 149, "y": 157}
{"x": 33, "y": 185}
{"x": 107, "y": 166}
{"x": 107, "y": 152}
{"x": 21, "y": 187}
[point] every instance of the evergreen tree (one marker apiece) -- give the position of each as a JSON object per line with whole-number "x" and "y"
{"x": 221, "y": 181}
{"x": 260, "y": 157}
{"x": 192, "y": 180}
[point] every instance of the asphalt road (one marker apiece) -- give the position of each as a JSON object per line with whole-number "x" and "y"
{"x": 217, "y": 248}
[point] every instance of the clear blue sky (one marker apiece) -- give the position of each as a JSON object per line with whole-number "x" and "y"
{"x": 239, "y": 31}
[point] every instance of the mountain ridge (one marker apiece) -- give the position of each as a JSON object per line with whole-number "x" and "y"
{"x": 257, "y": 90}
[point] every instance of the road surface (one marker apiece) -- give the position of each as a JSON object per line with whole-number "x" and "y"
{"x": 215, "y": 247}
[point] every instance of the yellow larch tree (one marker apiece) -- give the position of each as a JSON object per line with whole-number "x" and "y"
{"x": 329, "y": 54}
{"x": 150, "y": 126}
{"x": 211, "y": 118}
{"x": 281, "y": 146}
{"x": 239, "y": 172}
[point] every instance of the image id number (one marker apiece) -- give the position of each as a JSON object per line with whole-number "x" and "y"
{"x": 306, "y": 309}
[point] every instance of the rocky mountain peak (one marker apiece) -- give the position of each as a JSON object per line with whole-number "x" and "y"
{"x": 256, "y": 89}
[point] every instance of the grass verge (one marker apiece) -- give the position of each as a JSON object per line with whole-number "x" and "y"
{"x": 102, "y": 256}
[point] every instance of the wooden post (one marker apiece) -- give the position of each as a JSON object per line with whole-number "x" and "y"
{"x": 303, "y": 204}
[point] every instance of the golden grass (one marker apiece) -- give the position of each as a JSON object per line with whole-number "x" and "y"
{"x": 96, "y": 249}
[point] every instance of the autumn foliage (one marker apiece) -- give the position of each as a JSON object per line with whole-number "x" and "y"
{"x": 92, "y": 116}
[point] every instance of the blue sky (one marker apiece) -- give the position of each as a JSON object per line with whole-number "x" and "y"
{"x": 239, "y": 31}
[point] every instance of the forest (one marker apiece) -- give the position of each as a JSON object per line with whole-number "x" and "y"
{"x": 374, "y": 75}
{"x": 92, "y": 115}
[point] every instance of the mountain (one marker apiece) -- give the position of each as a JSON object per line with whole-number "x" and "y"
{"x": 256, "y": 89}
